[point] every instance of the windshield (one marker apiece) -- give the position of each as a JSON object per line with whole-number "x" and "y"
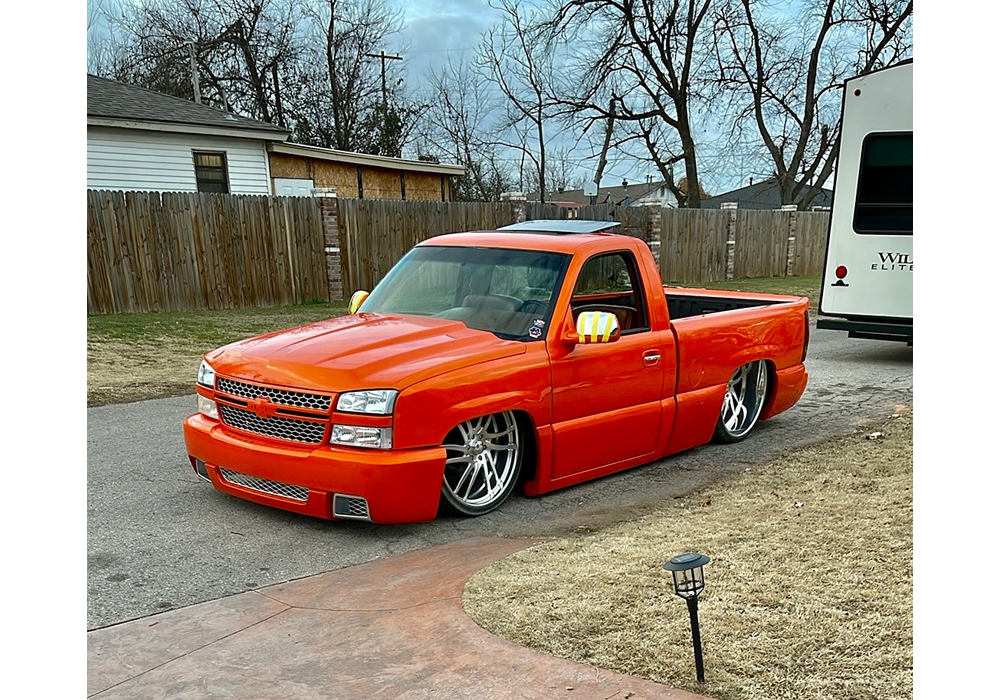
{"x": 507, "y": 292}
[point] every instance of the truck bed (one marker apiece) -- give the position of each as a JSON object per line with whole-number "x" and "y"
{"x": 684, "y": 303}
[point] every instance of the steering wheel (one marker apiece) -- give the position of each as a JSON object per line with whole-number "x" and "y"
{"x": 533, "y": 306}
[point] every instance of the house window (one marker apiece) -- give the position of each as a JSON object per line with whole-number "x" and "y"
{"x": 885, "y": 185}
{"x": 211, "y": 172}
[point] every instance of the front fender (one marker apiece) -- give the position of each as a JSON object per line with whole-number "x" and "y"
{"x": 427, "y": 411}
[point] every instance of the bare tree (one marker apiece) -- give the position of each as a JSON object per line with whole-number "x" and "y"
{"x": 563, "y": 170}
{"x": 785, "y": 76}
{"x": 347, "y": 30}
{"x": 298, "y": 63}
{"x": 644, "y": 57}
{"x": 454, "y": 126}
{"x": 241, "y": 47}
{"x": 517, "y": 56}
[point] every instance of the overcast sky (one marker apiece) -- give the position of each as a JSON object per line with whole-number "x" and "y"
{"x": 436, "y": 30}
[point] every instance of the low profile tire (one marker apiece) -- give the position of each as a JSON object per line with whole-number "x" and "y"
{"x": 483, "y": 463}
{"x": 745, "y": 396}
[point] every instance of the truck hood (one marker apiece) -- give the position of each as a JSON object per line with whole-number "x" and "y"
{"x": 362, "y": 351}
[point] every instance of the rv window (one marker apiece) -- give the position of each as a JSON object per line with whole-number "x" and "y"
{"x": 885, "y": 185}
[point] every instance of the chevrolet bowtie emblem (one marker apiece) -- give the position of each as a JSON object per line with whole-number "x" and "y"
{"x": 262, "y": 407}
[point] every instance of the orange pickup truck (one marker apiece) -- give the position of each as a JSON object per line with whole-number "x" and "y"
{"x": 543, "y": 354}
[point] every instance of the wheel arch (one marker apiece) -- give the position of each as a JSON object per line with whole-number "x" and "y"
{"x": 528, "y": 429}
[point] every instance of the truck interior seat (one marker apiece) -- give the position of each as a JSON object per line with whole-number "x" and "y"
{"x": 491, "y": 301}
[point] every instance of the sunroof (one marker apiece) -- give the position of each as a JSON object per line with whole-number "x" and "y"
{"x": 561, "y": 226}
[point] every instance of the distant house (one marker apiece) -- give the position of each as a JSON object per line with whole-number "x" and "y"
{"x": 638, "y": 194}
{"x": 761, "y": 195}
{"x": 297, "y": 169}
{"x": 138, "y": 139}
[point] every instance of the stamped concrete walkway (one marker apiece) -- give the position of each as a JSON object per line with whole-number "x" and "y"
{"x": 391, "y": 628}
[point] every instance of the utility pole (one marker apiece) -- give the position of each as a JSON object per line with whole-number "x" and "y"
{"x": 194, "y": 72}
{"x": 382, "y": 56}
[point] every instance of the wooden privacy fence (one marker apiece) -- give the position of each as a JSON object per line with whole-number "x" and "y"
{"x": 693, "y": 245}
{"x": 635, "y": 221}
{"x": 811, "y": 230}
{"x": 375, "y": 234}
{"x": 698, "y": 246}
{"x": 152, "y": 251}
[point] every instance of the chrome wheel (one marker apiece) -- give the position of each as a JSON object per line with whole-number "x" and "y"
{"x": 745, "y": 396}
{"x": 482, "y": 464}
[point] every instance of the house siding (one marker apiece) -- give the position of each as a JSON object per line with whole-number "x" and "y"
{"x": 378, "y": 183}
{"x": 133, "y": 159}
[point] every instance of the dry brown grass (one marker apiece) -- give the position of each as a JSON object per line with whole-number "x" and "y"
{"x": 153, "y": 355}
{"x": 809, "y": 593}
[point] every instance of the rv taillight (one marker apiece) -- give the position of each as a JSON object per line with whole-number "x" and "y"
{"x": 841, "y": 272}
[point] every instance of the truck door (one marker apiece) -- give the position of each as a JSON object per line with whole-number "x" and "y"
{"x": 606, "y": 397}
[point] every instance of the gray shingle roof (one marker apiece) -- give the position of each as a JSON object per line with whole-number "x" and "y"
{"x": 615, "y": 195}
{"x": 108, "y": 99}
{"x": 761, "y": 195}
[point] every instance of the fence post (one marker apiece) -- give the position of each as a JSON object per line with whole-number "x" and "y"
{"x": 792, "y": 225}
{"x": 653, "y": 232}
{"x": 730, "y": 209}
{"x": 519, "y": 202}
{"x": 326, "y": 197}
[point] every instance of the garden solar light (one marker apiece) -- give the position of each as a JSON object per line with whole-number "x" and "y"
{"x": 689, "y": 581}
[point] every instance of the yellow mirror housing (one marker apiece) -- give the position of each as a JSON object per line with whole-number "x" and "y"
{"x": 357, "y": 299}
{"x": 597, "y": 327}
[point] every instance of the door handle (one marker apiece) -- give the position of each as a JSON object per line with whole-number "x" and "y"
{"x": 651, "y": 358}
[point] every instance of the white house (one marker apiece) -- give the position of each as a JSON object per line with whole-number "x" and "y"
{"x": 138, "y": 139}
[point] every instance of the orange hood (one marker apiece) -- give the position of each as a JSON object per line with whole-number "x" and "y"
{"x": 363, "y": 351}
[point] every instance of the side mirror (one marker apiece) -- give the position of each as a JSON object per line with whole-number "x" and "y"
{"x": 597, "y": 327}
{"x": 357, "y": 299}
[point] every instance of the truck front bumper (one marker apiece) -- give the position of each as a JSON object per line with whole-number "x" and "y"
{"x": 397, "y": 486}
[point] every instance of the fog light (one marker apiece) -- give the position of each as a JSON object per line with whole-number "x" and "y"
{"x": 361, "y": 436}
{"x": 207, "y": 407}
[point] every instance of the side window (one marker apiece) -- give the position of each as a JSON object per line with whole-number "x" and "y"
{"x": 884, "y": 203}
{"x": 610, "y": 282}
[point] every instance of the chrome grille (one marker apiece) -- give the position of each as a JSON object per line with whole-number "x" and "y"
{"x": 300, "y": 399}
{"x": 274, "y": 488}
{"x": 306, "y": 432}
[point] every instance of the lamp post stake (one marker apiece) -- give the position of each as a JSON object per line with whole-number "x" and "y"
{"x": 699, "y": 664}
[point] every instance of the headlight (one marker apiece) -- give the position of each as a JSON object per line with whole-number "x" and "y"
{"x": 206, "y": 375}
{"x": 377, "y": 401}
{"x": 208, "y": 407}
{"x": 361, "y": 436}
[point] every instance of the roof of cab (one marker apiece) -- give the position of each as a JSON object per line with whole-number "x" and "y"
{"x": 581, "y": 242}
{"x": 561, "y": 226}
